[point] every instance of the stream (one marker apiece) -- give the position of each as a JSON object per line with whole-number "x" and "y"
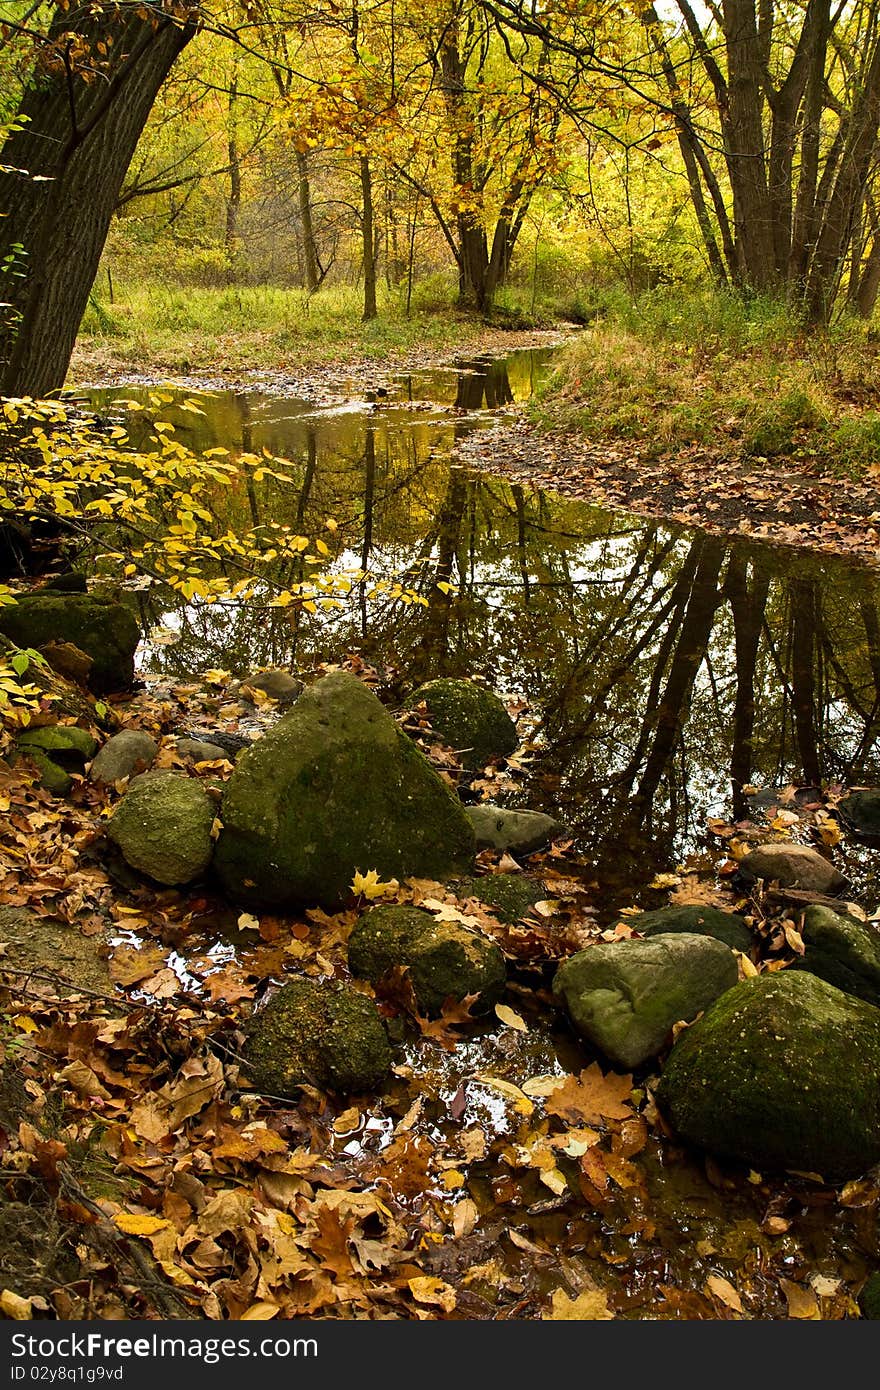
{"x": 665, "y": 676}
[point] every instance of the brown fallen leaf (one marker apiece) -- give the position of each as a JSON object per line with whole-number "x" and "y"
{"x": 591, "y": 1097}
{"x": 724, "y": 1291}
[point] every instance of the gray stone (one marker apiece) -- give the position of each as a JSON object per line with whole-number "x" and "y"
{"x": 277, "y": 685}
{"x": 316, "y": 1033}
{"x": 793, "y": 866}
{"x": 469, "y": 718}
{"x": 131, "y": 750}
{"x": 334, "y": 788}
{"x": 520, "y": 832}
{"x": 625, "y": 996}
{"x": 199, "y": 752}
{"x": 781, "y": 1072}
{"x": 842, "y": 951}
{"x": 163, "y": 827}
{"x": 220, "y": 738}
{"x": 699, "y": 921}
{"x": 445, "y": 960}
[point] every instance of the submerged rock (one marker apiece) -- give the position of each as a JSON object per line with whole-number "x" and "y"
{"x": 793, "y": 866}
{"x": 105, "y": 630}
{"x": 36, "y": 943}
{"x": 163, "y": 827}
{"x": 699, "y": 921}
{"x": 444, "y": 959}
{"x": 316, "y": 1033}
{"x": 334, "y": 788}
{"x": 520, "y": 832}
{"x": 625, "y": 996}
{"x": 231, "y": 744}
{"x": 507, "y": 896}
{"x": 860, "y": 812}
{"x": 781, "y": 1072}
{"x": 469, "y": 717}
{"x": 842, "y": 951}
{"x": 123, "y": 754}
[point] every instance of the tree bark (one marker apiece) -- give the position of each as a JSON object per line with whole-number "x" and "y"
{"x": 369, "y": 250}
{"x": 311, "y": 267}
{"x": 75, "y": 144}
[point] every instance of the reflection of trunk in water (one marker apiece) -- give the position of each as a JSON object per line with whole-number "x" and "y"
{"x": 806, "y": 669}
{"x": 482, "y": 383}
{"x": 748, "y": 602}
{"x": 431, "y": 658}
{"x": 367, "y": 541}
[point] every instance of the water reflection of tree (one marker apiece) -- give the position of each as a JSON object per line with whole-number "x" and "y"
{"x": 669, "y": 671}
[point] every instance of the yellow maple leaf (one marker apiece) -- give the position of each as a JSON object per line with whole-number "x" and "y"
{"x": 424, "y": 1289}
{"x": 589, "y": 1306}
{"x": 370, "y": 885}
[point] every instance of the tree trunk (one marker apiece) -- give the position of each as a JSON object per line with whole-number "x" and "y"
{"x": 78, "y": 138}
{"x": 369, "y": 250}
{"x": 233, "y": 202}
{"x": 311, "y": 267}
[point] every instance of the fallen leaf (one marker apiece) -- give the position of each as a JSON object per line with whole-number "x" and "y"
{"x": 511, "y": 1018}
{"x": 589, "y": 1306}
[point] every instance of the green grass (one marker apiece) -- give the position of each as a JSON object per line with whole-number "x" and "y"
{"x": 678, "y": 369}
{"x": 239, "y": 329}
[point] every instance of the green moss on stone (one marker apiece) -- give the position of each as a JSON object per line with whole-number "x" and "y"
{"x": 335, "y": 787}
{"x": 54, "y": 778}
{"x": 316, "y": 1033}
{"x": 60, "y": 738}
{"x": 781, "y": 1072}
{"x": 508, "y": 896}
{"x": 104, "y": 629}
{"x": 163, "y": 827}
{"x": 699, "y": 921}
{"x": 469, "y": 718}
{"x": 445, "y": 960}
{"x": 842, "y": 951}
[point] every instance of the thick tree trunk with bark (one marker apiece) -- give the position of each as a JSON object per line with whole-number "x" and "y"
{"x": 367, "y": 239}
{"x": 75, "y": 145}
{"x": 311, "y": 267}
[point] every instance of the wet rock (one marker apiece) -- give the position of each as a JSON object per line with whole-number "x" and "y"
{"x": 335, "y": 787}
{"x": 67, "y": 583}
{"x": 102, "y": 628}
{"x": 277, "y": 685}
{"x": 842, "y": 951}
{"x": 699, "y": 921}
{"x": 860, "y": 812}
{"x": 469, "y": 718}
{"x": 131, "y": 750}
{"x": 625, "y": 996}
{"x": 200, "y": 752}
{"x": 53, "y": 778}
{"x": 68, "y": 661}
{"x": 33, "y": 942}
{"x": 444, "y": 959}
{"x": 507, "y": 896}
{"x": 163, "y": 827}
{"x": 793, "y": 866}
{"x": 520, "y": 832}
{"x": 316, "y": 1033}
{"x": 780, "y": 1072}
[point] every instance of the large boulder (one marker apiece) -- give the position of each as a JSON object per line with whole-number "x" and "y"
{"x": 699, "y": 921}
{"x": 520, "y": 832}
{"x": 781, "y": 1072}
{"x": 122, "y": 755}
{"x": 163, "y": 827}
{"x": 469, "y": 717}
{"x": 56, "y": 750}
{"x": 445, "y": 960}
{"x": 105, "y": 630}
{"x": 624, "y": 996}
{"x": 793, "y": 866}
{"x": 335, "y": 787}
{"x": 316, "y": 1033}
{"x": 842, "y": 951}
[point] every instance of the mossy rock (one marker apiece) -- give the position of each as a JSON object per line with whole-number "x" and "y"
{"x": 781, "y": 1072}
{"x": 842, "y": 951}
{"x": 869, "y": 1298}
{"x": 507, "y": 896}
{"x": 163, "y": 827}
{"x": 698, "y": 921}
{"x": 445, "y": 960}
{"x": 61, "y": 742}
{"x": 625, "y": 996}
{"x": 105, "y": 630}
{"x": 335, "y": 788}
{"x": 469, "y": 717}
{"x": 53, "y": 778}
{"x": 860, "y": 813}
{"x": 316, "y": 1033}
{"x": 75, "y": 961}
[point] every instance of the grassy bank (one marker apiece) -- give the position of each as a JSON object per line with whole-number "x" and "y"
{"x": 196, "y": 331}
{"x": 711, "y": 370}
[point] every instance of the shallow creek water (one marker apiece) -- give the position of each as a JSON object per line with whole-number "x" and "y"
{"x": 661, "y": 671}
